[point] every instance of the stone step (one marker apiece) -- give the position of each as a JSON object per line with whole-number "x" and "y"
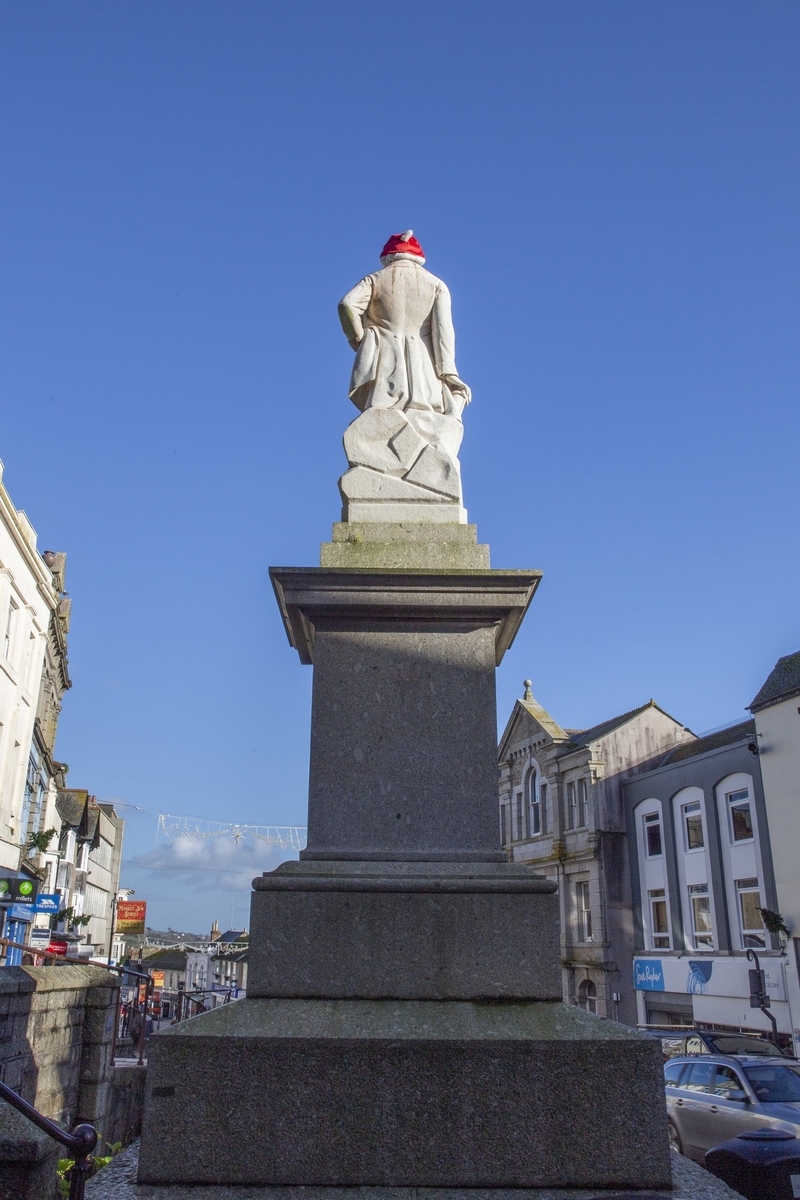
{"x": 118, "y": 1182}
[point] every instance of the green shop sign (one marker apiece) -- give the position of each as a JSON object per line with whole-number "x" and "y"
{"x": 18, "y": 890}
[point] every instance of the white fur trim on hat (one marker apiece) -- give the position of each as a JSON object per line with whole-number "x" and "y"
{"x": 390, "y": 258}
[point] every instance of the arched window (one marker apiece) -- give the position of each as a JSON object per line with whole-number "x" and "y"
{"x": 534, "y": 801}
{"x": 587, "y": 995}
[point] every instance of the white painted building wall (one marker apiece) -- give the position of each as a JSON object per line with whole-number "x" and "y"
{"x": 27, "y": 599}
{"x": 778, "y": 727}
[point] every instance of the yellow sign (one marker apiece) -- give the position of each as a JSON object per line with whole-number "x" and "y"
{"x": 158, "y": 978}
{"x": 131, "y": 916}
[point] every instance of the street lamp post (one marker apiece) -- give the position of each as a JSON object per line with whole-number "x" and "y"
{"x": 758, "y": 993}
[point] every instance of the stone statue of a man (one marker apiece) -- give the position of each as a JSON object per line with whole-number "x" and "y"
{"x": 403, "y": 449}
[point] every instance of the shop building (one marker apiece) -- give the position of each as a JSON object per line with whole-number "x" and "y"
{"x": 701, "y": 872}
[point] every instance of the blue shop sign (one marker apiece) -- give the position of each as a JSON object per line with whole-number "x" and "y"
{"x": 20, "y": 912}
{"x": 47, "y": 902}
{"x": 648, "y": 975}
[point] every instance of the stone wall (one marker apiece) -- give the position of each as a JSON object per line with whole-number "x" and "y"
{"x": 124, "y": 1121}
{"x": 56, "y": 1040}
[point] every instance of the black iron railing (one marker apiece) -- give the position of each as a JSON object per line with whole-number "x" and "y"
{"x": 39, "y": 956}
{"x": 81, "y": 1142}
{"x": 142, "y": 1007}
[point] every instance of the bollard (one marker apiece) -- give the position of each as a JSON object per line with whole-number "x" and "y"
{"x": 761, "y": 1164}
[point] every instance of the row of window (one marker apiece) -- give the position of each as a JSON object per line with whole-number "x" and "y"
{"x": 531, "y": 813}
{"x": 748, "y": 897}
{"x": 740, "y": 824}
{"x": 772, "y": 1083}
{"x": 742, "y": 893}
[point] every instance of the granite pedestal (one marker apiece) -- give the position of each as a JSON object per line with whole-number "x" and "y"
{"x": 403, "y": 1026}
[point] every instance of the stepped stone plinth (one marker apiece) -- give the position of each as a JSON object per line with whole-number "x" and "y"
{"x": 403, "y": 1027}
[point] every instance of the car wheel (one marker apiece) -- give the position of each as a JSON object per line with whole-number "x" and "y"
{"x": 674, "y": 1138}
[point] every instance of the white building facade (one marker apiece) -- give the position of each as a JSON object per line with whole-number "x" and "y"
{"x": 30, "y": 599}
{"x": 34, "y": 621}
{"x": 776, "y": 712}
{"x": 701, "y": 872}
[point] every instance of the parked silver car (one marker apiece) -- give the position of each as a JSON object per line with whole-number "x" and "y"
{"x": 718, "y": 1096}
{"x": 709, "y": 1041}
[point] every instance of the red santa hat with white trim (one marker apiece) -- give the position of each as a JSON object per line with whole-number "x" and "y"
{"x": 402, "y": 245}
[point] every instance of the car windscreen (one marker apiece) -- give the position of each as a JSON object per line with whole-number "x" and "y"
{"x": 670, "y": 1046}
{"x": 774, "y": 1083}
{"x": 734, "y": 1043}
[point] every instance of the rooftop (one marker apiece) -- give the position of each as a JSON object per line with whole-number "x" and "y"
{"x": 713, "y": 741}
{"x": 170, "y": 959}
{"x": 782, "y": 682}
{"x": 582, "y": 737}
{"x": 231, "y": 936}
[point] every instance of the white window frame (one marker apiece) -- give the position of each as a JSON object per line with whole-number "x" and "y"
{"x": 735, "y": 800}
{"x": 12, "y": 616}
{"x": 533, "y": 803}
{"x": 572, "y": 802}
{"x": 583, "y": 911}
{"x": 518, "y": 817}
{"x": 583, "y": 804}
{"x": 690, "y": 809}
{"x": 701, "y": 939}
{"x": 659, "y": 940}
{"x": 755, "y": 938}
{"x": 587, "y": 999}
{"x": 649, "y": 821}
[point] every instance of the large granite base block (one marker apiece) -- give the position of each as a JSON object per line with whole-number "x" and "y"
{"x": 118, "y": 1182}
{"x": 404, "y": 718}
{"x": 403, "y": 737}
{"x": 345, "y": 930}
{"x": 399, "y": 1094}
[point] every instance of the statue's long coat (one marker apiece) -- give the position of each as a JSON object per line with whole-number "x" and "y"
{"x": 400, "y": 320}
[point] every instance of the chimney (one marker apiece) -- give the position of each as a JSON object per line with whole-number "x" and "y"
{"x": 214, "y": 931}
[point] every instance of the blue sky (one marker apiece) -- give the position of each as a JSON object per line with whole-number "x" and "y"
{"x": 610, "y": 189}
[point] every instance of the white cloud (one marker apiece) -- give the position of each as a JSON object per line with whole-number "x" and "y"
{"x": 211, "y": 864}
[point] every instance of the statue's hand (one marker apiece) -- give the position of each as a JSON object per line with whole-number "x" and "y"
{"x": 458, "y": 388}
